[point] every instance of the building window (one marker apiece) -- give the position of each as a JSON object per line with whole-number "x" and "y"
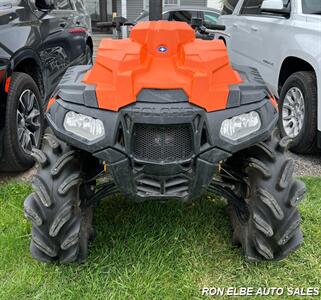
{"x": 171, "y": 2}
{"x": 166, "y": 3}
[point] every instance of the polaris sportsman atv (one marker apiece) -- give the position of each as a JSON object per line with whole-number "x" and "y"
{"x": 163, "y": 115}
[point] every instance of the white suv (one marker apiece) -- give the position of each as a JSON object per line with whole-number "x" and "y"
{"x": 282, "y": 39}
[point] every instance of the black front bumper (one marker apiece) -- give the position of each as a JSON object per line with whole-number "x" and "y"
{"x": 184, "y": 178}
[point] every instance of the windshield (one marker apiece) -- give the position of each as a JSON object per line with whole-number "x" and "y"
{"x": 311, "y": 7}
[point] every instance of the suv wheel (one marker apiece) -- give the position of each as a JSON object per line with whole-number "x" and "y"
{"x": 298, "y": 111}
{"x": 24, "y": 123}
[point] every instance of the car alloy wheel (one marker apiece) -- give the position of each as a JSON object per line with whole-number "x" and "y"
{"x": 28, "y": 121}
{"x": 293, "y": 112}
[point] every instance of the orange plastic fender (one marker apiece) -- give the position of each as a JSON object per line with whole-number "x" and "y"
{"x": 162, "y": 55}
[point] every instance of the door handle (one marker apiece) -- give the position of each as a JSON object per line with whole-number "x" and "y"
{"x": 254, "y": 28}
{"x": 235, "y": 25}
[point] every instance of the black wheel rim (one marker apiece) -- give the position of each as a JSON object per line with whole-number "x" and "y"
{"x": 28, "y": 121}
{"x": 293, "y": 112}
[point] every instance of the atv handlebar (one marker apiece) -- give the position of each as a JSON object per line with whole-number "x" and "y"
{"x": 207, "y": 29}
{"x": 214, "y": 26}
{"x": 112, "y": 24}
{"x": 105, "y": 24}
{"x": 202, "y": 28}
{"x": 116, "y": 23}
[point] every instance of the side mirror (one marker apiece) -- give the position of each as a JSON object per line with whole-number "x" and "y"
{"x": 44, "y": 4}
{"x": 274, "y": 7}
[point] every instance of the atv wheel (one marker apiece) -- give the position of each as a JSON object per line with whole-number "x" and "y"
{"x": 298, "y": 111}
{"x": 24, "y": 123}
{"x": 269, "y": 227}
{"x": 61, "y": 225}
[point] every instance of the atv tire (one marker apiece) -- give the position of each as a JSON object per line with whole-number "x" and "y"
{"x": 61, "y": 227}
{"x": 270, "y": 228}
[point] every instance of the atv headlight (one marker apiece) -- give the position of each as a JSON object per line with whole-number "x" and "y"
{"x": 241, "y": 126}
{"x": 84, "y": 126}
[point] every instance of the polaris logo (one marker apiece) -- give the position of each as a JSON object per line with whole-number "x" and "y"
{"x": 164, "y": 111}
{"x": 162, "y": 49}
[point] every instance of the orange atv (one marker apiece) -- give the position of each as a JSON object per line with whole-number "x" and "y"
{"x": 163, "y": 115}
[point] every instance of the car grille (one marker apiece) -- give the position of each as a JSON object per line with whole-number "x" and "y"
{"x": 162, "y": 143}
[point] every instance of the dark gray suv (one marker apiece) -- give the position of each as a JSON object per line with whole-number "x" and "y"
{"x": 39, "y": 40}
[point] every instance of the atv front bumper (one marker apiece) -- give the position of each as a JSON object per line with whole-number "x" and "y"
{"x": 135, "y": 142}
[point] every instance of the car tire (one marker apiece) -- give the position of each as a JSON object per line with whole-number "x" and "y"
{"x": 24, "y": 123}
{"x": 299, "y": 84}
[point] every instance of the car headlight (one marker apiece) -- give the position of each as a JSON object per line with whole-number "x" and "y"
{"x": 241, "y": 126}
{"x": 84, "y": 126}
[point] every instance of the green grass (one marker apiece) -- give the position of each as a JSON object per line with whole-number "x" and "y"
{"x": 152, "y": 251}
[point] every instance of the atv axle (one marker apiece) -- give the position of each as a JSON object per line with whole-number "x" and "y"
{"x": 106, "y": 190}
{"x": 221, "y": 190}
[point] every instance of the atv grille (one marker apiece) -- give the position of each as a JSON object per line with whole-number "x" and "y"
{"x": 162, "y": 143}
{"x": 177, "y": 186}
